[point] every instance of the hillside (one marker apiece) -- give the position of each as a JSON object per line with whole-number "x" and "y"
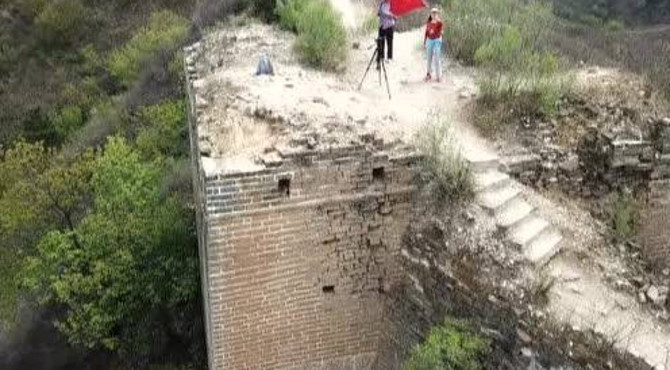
{"x": 92, "y": 99}
{"x": 636, "y": 13}
{"x": 99, "y": 263}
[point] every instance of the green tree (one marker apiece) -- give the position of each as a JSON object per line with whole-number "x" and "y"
{"x": 165, "y": 31}
{"x": 164, "y": 130}
{"x": 61, "y": 22}
{"x": 450, "y": 346}
{"x": 40, "y": 191}
{"x": 124, "y": 273}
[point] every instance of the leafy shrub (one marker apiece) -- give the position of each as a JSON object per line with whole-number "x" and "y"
{"x": 507, "y": 39}
{"x": 322, "y": 39}
{"x": 61, "y": 22}
{"x": 68, "y": 119}
{"x": 472, "y": 23}
{"x": 290, "y": 12}
{"x": 84, "y": 93}
{"x": 164, "y": 130}
{"x": 623, "y": 213}
{"x": 91, "y": 61}
{"x": 165, "y": 31}
{"x": 127, "y": 262}
{"x": 106, "y": 118}
{"x": 449, "y": 172}
{"x": 450, "y": 346}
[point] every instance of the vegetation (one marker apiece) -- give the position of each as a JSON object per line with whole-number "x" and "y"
{"x": 604, "y": 12}
{"x": 61, "y": 22}
{"x": 322, "y": 38}
{"x": 125, "y": 265}
{"x": 448, "y": 171}
{"x": 623, "y": 214}
{"x": 96, "y": 219}
{"x": 289, "y": 13}
{"x": 451, "y": 345}
{"x": 507, "y": 39}
{"x": 642, "y": 51}
{"x": 165, "y": 31}
{"x": 369, "y": 24}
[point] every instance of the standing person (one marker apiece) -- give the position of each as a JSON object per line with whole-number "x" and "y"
{"x": 386, "y": 28}
{"x": 432, "y": 41}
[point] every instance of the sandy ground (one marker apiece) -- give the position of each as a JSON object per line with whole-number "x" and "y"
{"x": 243, "y": 115}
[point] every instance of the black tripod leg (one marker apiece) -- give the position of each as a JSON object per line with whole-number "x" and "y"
{"x": 380, "y": 74}
{"x": 388, "y": 89}
{"x": 374, "y": 55}
{"x": 379, "y": 71}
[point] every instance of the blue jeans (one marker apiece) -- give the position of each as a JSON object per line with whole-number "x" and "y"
{"x": 434, "y": 52}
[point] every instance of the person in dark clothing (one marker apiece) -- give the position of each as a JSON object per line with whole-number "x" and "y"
{"x": 386, "y": 28}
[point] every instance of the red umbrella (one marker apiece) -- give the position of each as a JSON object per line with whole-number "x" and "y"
{"x": 403, "y": 7}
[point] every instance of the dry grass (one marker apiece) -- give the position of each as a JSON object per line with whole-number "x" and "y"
{"x": 643, "y": 51}
{"x": 448, "y": 171}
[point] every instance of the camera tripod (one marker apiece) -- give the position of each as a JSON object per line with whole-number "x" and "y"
{"x": 381, "y": 66}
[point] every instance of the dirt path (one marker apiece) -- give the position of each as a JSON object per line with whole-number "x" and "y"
{"x": 415, "y": 102}
{"x": 580, "y": 297}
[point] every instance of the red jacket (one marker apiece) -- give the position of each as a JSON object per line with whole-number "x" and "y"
{"x": 434, "y": 30}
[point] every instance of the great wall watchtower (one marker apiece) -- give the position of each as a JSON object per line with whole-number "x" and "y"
{"x": 298, "y": 237}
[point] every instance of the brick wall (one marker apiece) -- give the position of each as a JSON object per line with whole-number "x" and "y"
{"x": 199, "y": 196}
{"x": 655, "y": 220}
{"x": 655, "y": 224}
{"x": 300, "y": 255}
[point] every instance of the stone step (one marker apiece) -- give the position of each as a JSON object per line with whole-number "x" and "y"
{"x": 484, "y": 164}
{"x": 497, "y": 198}
{"x": 490, "y": 180}
{"x": 543, "y": 248}
{"x": 517, "y": 164}
{"x": 527, "y": 230}
{"x": 515, "y": 211}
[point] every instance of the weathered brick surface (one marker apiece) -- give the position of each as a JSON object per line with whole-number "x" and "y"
{"x": 300, "y": 256}
{"x": 419, "y": 301}
{"x": 655, "y": 220}
{"x": 655, "y": 224}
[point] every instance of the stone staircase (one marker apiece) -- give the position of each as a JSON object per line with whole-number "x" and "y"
{"x": 503, "y": 198}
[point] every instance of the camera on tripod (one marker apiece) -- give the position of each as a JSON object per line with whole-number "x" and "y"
{"x": 378, "y": 56}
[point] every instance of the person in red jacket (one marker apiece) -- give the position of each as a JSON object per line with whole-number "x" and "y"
{"x": 432, "y": 41}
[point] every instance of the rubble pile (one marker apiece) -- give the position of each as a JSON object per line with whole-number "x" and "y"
{"x": 593, "y": 150}
{"x": 635, "y": 278}
{"x": 661, "y": 138}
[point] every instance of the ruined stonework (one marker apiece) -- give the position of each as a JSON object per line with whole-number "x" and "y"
{"x": 655, "y": 220}
{"x": 655, "y": 224}
{"x": 299, "y": 248}
{"x": 607, "y": 161}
